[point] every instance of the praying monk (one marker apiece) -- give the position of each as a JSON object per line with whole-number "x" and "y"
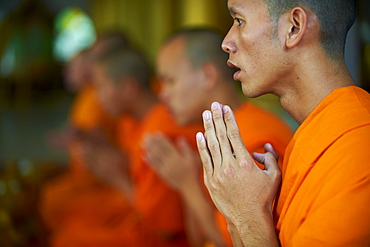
{"x": 156, "y": 219}
{"x": 74, "y": 194}
{"x": 192, "y": 68}
{"x": 294, "y": 49}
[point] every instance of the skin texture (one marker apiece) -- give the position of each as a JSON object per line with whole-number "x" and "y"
{"x": 175, "y": 161}
{"x": 222, "y": 176}
{"x": 181, "y": 83}
{"x": 286, "y": 60}
{"x": 252, "y": 48}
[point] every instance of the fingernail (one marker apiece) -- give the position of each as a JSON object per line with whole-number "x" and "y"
{"x": 199, "y": 136}
{"x": 215, "y": 106}
{"x": 207, "y": 115}
{"x": 226, "y": 109}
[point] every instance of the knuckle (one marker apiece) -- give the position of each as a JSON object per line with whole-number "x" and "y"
{"x": 233, "y": 134}
{"x": 208, "y": 126}
{"x": 217, "y": 115}
{"x": 278, "y": 172}
{"x": 222, "y": 137}
{"x": 202, "y": 148}
{"x": 204, "y": 160}
{"x": 229, "y": 170}
{"x": 213, "y": 185}
{"x": 213, "y": 146}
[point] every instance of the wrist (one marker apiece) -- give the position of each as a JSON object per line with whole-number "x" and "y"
{"x": 252, "y": 216}
{"x": 189, "y": 188}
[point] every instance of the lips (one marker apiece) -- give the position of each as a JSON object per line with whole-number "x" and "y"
{"x": 236, "y": 75}
{"x": 231, "y": 64}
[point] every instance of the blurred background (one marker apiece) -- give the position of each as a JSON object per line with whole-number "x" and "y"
{"x": 38, "y": 38}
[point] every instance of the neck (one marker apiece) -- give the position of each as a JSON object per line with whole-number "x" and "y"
{"x": 311, "y": 85}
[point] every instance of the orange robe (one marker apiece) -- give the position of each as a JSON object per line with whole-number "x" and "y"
{"x": 160, "y": 206}
{"x": 87, "y": 115}
{"x": 257, "y": 127}
{"x": 157, "y": 218}
{"x": 76, "y": 195}
{"x": 325, "y": 195}
{"x": 106, "y": 214}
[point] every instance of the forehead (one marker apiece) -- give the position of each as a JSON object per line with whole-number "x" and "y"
{"x": 246, "y": 6}
{"x": 172, "y": 56}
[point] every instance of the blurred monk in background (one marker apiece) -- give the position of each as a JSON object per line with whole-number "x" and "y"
{"x": 76, "y": 194}
{"x": 192, "y": 68}
{"x": 154, "y": 214}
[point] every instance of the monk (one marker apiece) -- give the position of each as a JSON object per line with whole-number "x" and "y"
{"x": 156, "y": 218}
{"x": 72, "y": 195}
{"x": 293, "y": 49}
{"x": 192, "y": 68}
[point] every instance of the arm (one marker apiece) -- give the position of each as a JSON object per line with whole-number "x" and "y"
{"x": 179, "y": 167}
{"x": 192, "y": 229}
{"x": 241, "y": 191}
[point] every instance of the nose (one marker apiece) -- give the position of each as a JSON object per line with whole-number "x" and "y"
{"x": 228, "y": 45}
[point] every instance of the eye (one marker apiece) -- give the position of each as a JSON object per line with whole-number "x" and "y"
{"x": 239, "y": 21}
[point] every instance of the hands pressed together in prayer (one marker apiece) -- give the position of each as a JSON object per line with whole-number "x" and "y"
{"x": 241, "y": 191}
{"x": 177, "y": 163}
{"x": 239, "y": 188}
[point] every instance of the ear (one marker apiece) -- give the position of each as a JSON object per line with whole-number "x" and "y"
{"x": 298, "y": 22}
{"x": 210, "y": 75}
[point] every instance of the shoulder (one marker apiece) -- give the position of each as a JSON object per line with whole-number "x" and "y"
{"x": 159, "y": 118}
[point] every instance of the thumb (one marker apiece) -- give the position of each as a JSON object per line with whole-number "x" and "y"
{"x": 269, "y": 148}
{"x": 268, "y": 159}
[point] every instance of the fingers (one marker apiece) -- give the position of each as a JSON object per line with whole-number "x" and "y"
{"x": 268, "y": 159}
{"x": 212, "y": 142}
{"x": 157, "y": 147}
{"x": 221, "y": 133}
{"x": 234, "y": 137}
{"x": 204, "y": 155}
{"x": 269, "y": 148}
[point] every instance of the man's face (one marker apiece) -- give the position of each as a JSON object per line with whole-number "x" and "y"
{"x": 181, "y": 84}
{"x": 108, "y": 92}
{"x": 254, "y": 47}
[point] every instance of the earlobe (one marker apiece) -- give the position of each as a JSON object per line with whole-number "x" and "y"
{"x": 297, "y": 26}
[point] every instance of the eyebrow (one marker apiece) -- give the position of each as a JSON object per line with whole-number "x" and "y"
{"x": 232, "y": 10}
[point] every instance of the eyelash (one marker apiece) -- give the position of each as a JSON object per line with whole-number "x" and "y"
{"x": 238, "y": 20}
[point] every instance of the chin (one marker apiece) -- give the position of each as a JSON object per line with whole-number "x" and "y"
{"x": 252, "y": 92}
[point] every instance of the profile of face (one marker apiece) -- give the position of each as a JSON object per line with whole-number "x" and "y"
{"x": 108, "y": 92}
{"x": 181, "y": 84}
{"x": 254, "y": 47}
